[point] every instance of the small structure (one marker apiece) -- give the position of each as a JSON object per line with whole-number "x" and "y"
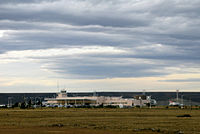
{"x": 143, "y": 100}
{"x": 117, "y": 101}
{"x": 176, "y": 102}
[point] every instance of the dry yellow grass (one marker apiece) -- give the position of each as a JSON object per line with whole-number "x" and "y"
{"x": 99, "y": 121}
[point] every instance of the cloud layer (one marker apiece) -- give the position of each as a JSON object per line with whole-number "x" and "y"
{"x": 99, "y": 39}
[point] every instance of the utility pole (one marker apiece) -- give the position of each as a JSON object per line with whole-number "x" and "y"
{"x": 40, "y": 102}
{"x": 150, "y": 101}
{"x": 182, "y": 99}
{"x": 177, "y": 95}
{"x": 35, "y": 102}
{"x": 140, "y": 98}
{"x": 9, "y": 101}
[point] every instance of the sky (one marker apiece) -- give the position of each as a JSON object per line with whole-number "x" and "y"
{"x": 99, "y": 45}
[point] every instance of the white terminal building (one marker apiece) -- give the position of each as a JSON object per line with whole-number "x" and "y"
{"x": 62, "y": 100}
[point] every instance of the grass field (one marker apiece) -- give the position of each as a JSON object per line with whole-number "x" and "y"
{"x": 99, "y": 121}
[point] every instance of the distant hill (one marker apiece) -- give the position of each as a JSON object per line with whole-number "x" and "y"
{"x": 161, "y": 97}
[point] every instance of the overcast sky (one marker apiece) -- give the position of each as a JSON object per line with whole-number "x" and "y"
{"x": 99, "y": 45}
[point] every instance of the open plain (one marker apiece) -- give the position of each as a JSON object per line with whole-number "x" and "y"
{"x": 99, "y": 121}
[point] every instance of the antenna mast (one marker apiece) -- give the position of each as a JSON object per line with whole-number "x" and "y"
{"x": 177, "y": 91}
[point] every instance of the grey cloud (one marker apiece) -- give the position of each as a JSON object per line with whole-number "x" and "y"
{"x": 83, "y": 17}
{"x": 98, "y": 68}
{"x": 181, "y": 8}
{"x": 113, "y": 66}
{"x": 51, "y": 39}
{"x": 182, "y": 80}
{"x": 23, "y": 1}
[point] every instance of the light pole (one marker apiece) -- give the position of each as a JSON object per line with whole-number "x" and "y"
{"x": 177, "y": 91}
{"x": 182, "y": 99}
{"x": 150, "y": 101}
{"x": 10, "y": 102}
{"x": 140, "y": 98}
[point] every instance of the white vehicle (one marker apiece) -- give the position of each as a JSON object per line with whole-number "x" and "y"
{"x": 174, "y": 103}
{"x": 68, "y": 106}
{"x": 60, "y": 106}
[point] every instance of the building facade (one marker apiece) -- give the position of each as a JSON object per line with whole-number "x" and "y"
{"x": 62, "y": 100}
